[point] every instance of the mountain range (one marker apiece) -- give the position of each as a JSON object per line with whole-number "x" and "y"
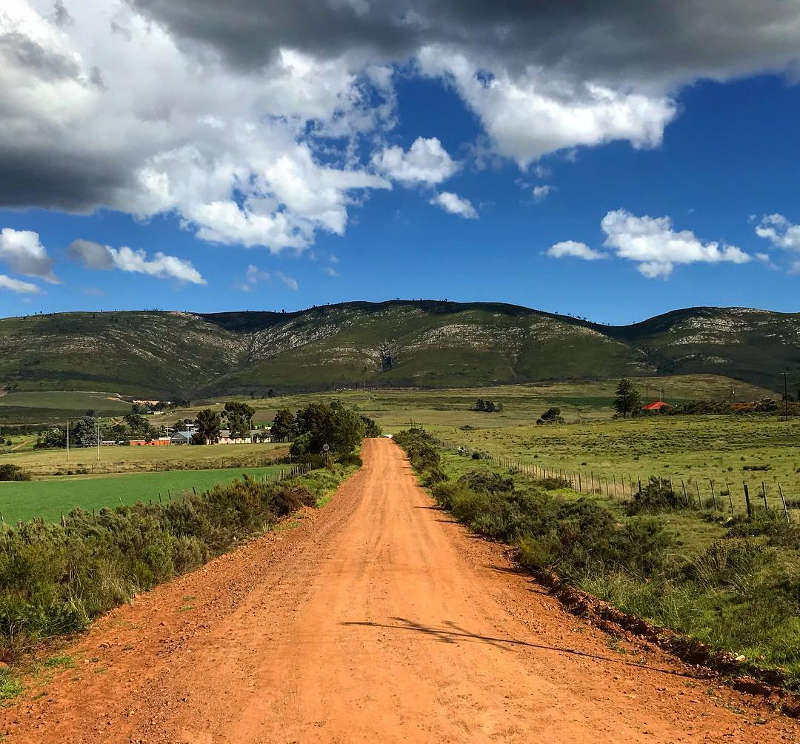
{"x": 397, "y": 343}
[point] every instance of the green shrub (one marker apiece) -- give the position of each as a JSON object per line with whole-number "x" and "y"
{"x": 11, "y": 472}
{"x": 656, "y": 496}
{"x": 55, "y": 579}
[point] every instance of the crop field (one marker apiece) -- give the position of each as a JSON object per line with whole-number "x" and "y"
{"x": 49, "y": 499}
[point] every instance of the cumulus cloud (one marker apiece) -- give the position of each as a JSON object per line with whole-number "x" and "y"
{"x": 783, "y": 235}
{"x": 656, "y": 247}
{"x": 161, "y": 266}
{"x": 16, "y": 285}
{"x": 24, "y": 253}
{"x": 455, "y": 204}
{"x": 540, "y": 193}
{"x": 574, "y": 249}
{"x": 426, "y": 161}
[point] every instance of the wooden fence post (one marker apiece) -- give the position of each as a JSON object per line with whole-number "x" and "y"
{"x": 783, "y": 501}
{"x": 764, "y": 494}
{"x": 730, "y": 495}
{"x": 713, "y": 496}
{"x": 747, "y": 501}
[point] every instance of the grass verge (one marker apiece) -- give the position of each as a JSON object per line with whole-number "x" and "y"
{"x": 733, "y": 585}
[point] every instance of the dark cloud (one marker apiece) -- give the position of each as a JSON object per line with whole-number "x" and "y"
{"x": 663, "y": 42}
{"x": 21, "y": 50}
{"x": 54, "y": 177}
{"x": 91, "y": 254}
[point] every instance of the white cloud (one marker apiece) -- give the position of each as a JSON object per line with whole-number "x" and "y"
{"x": 112, "y": 110}
{"x": 574, "y": 249}
{"x": 24, "y": 253}
{"x": 426, "y": 161}
{"x": 252, "y": 276}
{"x": 540, "y": 193}
{"x": 656, "y": 247}
{"x": 15, "y": 285}
{"x": 779, "y": 231}
{"x": 330, "y": 271}
{"x": 288, "y": 281}
{"x": 96, "y": 256}
{"x": 455, "y": 204}
{"x": 534, "y": 113}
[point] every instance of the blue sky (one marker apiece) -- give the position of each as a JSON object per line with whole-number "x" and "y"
{"x": 465, "y": 175}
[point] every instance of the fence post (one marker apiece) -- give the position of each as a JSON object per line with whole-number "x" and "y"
{"x": 699, "y": 498}
{"x": 730, "y": 495}
{"x": 685, "y": 495}
{"x": 713, "y": 496}
{"x": 783, "y": 501}
{"x": 747, "y": 501}
{"x": 764, "y": 494}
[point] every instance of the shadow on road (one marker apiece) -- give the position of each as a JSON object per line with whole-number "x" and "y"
{"x": 452, "y": 633}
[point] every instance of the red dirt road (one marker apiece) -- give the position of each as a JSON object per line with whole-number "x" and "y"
{"x": 373, "y": 619}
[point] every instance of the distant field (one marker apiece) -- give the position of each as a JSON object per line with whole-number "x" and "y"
{"x": 50, "y": 498}
{"x": 56, "y": 406}
{"x": 131, "y": 459}
{"x": 523, "y": 404}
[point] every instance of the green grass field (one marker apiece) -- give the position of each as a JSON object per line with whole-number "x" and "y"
{"x": 50, "y": 498}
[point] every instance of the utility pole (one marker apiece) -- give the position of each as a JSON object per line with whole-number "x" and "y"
{"x": 97, "y": 434}
{"x": 67, "y": 441}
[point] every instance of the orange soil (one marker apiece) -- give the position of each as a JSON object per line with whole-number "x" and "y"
{"x": 375, "y": 619}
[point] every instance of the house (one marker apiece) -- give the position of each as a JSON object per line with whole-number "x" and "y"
{"x": 657, "y": 406}
{"x": 226, "y": 438}
{"x": 260, "y": 435}
{"x": 181, "y": 437}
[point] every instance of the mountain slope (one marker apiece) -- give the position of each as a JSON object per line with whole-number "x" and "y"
{"x": 398, "y": 343}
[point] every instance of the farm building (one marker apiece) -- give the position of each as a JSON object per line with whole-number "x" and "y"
{"x": 657, "y": 406}
{"x": 160, "y": 442}
{"x": 181, "y": 437}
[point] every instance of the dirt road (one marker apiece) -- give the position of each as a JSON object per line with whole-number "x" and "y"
{"x": 375, "y": 619}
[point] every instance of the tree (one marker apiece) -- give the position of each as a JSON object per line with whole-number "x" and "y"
{"x": 628, "y": 400}
{"x": 84, "y": 432}
{"x": 208, "y": 426}
{"x": 480, "y": 405}
{"x": 283, "y": 426}
{"x": 319, "y": 424}
{"x": 270, "y": 393}
{"x": 239, "y": 418}
{"x": 138, "y": 427}
{"x": 52, "y": 438}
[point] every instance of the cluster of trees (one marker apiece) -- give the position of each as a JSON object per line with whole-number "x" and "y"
{"x": 83, "y": 432}
{"x": 488, "y": 406}
{"x": 320, "y": 424}
{"x": 237, "y": 417}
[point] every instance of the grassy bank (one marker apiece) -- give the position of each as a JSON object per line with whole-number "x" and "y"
{"x": 55, "y": 578}
{"x": 730, "y": 583}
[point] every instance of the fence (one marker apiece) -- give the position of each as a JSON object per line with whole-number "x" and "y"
{"x": 709, "y": 495}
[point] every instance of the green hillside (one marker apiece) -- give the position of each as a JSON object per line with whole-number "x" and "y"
{"x": 396, "y": 343}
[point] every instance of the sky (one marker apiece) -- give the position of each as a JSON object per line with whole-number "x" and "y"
{"x": 606, "y": 160}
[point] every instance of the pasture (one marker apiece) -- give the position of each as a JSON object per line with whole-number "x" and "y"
{"x": 122, "y": 459}
{"x": 49, "y": 499}
{"x": 34, "y": 407}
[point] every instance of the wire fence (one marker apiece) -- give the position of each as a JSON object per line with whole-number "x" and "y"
{"x": 708, "y": 495}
